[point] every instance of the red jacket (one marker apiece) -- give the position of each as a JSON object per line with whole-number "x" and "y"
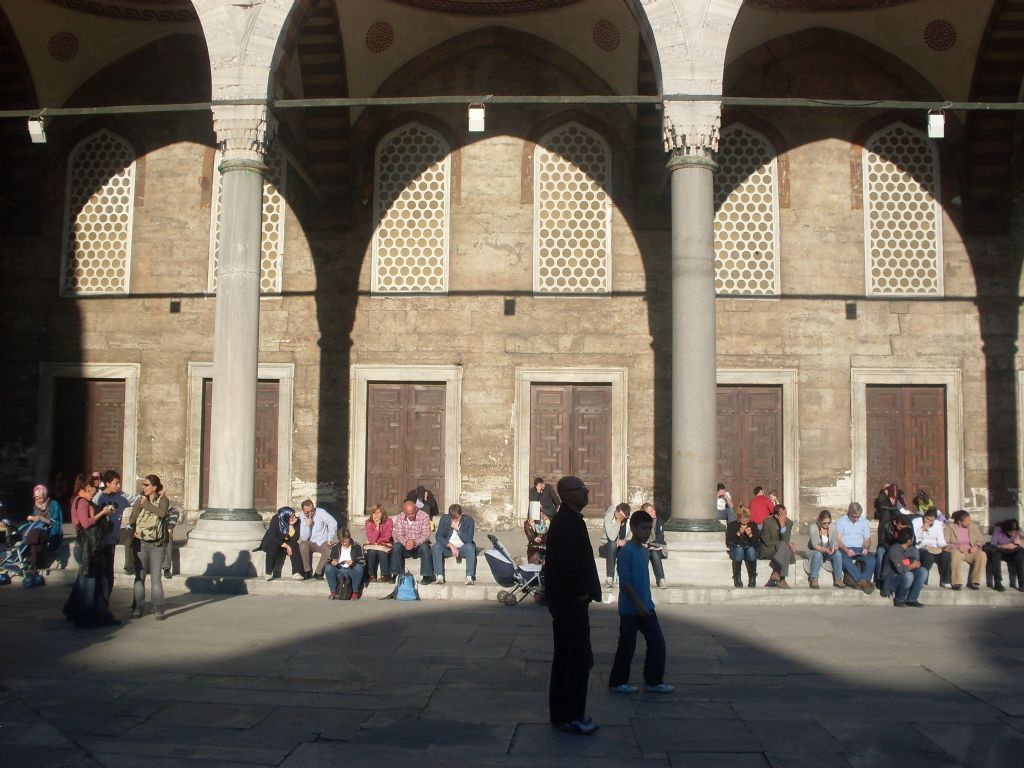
{"x": 761, "y": 508}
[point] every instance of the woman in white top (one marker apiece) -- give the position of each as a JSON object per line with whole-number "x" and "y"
{"x": 931, "y": 543}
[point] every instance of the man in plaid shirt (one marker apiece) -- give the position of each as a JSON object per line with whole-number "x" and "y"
{"x": 412, "y": 539}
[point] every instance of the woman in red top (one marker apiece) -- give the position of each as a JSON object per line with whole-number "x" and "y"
{"x": 87, "y": 604}
{"x": 377, "y": 549}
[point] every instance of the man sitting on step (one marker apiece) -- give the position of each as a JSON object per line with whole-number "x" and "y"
{"x": 853, "y": 537}
{"x": 454, "y": 538}
{"x": 411, "y": 535}
{"x": 776, "y": 546}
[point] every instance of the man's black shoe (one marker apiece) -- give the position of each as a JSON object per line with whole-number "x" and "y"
{"x": 914, "y": 604}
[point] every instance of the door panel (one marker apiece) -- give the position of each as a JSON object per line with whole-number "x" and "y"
{"x": 88, "y": 418}
{"x": 405, "y": 442}
{"x": 906, "y": 441}
{"x": 571, "y": 434}
{"x": 750, "y": 440}
{"x": 267, "y": 406}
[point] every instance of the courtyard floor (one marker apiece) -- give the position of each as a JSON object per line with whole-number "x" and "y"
{"x": 296, "y": 681}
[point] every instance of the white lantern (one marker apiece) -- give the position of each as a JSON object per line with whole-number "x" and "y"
{"x": 476, "y": 118}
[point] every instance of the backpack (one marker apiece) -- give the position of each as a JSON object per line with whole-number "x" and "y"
{"x": 405, "y": 588}
{"x": 345, "y": 588}
{"x": 149, "y": 527}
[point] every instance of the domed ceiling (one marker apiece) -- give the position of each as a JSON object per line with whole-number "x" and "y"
{"x": 825, "y": 5}
{"x": 134, "y": 10}
{"x": 487, "y": 7}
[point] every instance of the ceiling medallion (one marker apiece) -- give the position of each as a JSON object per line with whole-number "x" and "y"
{"x": 379, "y": 37}
{"x": 134, "y": 10}
{"x": 63, "y": 46}
{"x": 940, "y": 35}
{"x": 606, "y": 35}
{"x": 825, "y": 5}
{"x": 487, "y": 7}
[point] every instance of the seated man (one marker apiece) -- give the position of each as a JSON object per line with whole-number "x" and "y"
{"x": 853, "y": 537}
{"x": 454, "y": 538}
{"x": 412, "y": 539}
{"x": 964, "y": 536}
{"x": 776, "y": 546}
{"x": 902, "y": 574}
{"x": 930, "y": 540}
{"x": 317, "y": 533}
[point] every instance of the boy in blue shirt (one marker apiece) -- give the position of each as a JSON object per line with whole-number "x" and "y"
{"x": 636, "y": 613}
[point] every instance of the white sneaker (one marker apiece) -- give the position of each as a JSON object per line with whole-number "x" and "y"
{"x": 470, "y": 581}
{"x": 624, "y": 688}
{"x": 659, "y": 688}
{"x": 439, "y": 580}
{"x": 297, "y": 577}
{"x": 609, "y": 582}
{"x": 269, "y": 577}
{"x": 662, "y": 584}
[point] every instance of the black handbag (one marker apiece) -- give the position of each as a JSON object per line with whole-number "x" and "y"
{"x": 602, "y": 550}
{"x": 345, "y": 588}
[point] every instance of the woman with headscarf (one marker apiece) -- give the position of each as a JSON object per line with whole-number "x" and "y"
{"x": 424, "y": 500}
{"x": 87, "y": 604}
{"x": 282, "y": 540}
{"x": 47, "y": 513}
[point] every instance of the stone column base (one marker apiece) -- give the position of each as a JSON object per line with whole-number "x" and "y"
{"x": 223, "y": 548}
{"x": 695, "y": 525}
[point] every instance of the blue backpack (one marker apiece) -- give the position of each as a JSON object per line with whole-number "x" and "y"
{"x": 405, "y": 588}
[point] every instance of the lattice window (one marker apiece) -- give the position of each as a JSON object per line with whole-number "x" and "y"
{"x": 902, "y": 218}
{"x": 411, "y": 204}
{"x": 272, "y": 245}
{"x": 572, "y": 219}
{"x": 746, "y": 214}
{"x": 100, "y": 194}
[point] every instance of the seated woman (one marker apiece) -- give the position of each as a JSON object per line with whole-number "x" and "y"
{"x": 930, "y": 539}
{"x": 346, "y": 561}
{"x": 47, "y": 513}
{"x": 282, "y": 540}
{"x": 822, "y": 545}
{"x": 1005, "y": 544}
{"x": 657, "y": 548}
{"x": 378, "y": 529}
{"x": 536, "y": 537}
{"x": 742, "y": 539}
{"x": 616, "y": 534}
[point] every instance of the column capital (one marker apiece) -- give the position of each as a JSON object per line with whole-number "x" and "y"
{"x": 692, "y": 127}
{"x": 244, "y": 133}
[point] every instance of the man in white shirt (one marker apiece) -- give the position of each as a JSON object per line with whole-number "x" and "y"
{"x": 318, "y": 530}
{"x": 930, "y": 540}
{"x": 853, "y": 539}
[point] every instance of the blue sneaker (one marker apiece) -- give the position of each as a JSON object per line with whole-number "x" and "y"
{"x": 659, "y": 688}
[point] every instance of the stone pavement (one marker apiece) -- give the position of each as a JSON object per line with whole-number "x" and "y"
{"x": 296, "y": 681}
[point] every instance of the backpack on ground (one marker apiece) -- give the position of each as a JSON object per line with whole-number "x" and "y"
{"x": 344, "y": 588}
{"x": 405, "y": 588}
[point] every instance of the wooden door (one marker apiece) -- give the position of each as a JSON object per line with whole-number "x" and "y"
{"x": 405, "y": 442}
{"x": 906, "y": 441}
{"x": 267, "y": 405}
{"x": 571, "y": 434}
{"x": 750, "y": 440}
{"x": 88, "y": 430}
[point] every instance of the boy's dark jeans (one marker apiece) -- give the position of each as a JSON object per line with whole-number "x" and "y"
{"x": 654, "y": 662}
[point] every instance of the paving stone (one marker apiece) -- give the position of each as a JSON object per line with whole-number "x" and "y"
{"x": 985, "y": 745}
{"x": 666, "y": 708}
{"x": 214, "y": 714}
{"x": 448, "y": 736}
{"x": 551, "y": 744}
{"x": 37, "y": 756}
{"x": 705, "y": 735}
{"x": 185, "y": 752}
{"x": 717, "y": 760}
{"x": 780, "y": 739}
{"x": 807, "y": 760}
{"x": 872, "y": 738}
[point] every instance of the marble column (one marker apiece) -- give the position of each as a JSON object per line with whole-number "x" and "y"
{"x": 692, "y": 139}
{"x": 230, "y": 526}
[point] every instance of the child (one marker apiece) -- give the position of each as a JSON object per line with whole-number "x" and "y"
{"x": 636, "y": 612}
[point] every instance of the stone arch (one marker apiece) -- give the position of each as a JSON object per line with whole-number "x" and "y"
{"x": 19, "y": 204}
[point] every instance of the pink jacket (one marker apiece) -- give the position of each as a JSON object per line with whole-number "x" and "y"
{"x": 381, "y": 535}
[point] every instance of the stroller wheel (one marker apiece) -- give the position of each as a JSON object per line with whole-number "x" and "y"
{"x": 511, "y": 599}
{"x": 502, "y": 594}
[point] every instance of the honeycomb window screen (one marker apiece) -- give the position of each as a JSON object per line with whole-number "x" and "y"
{"x": 572, "y": 213}
{"x": 746, "y": 214}
{"x": 902, "y": 219}
{"x": 412, "y": 192}
{"x": 273, "y": 222}
{"x": 99, "y": 200}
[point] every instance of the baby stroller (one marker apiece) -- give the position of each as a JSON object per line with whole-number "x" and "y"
{"x": 523, "y": 579}
{"x": 14, "y": 556}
